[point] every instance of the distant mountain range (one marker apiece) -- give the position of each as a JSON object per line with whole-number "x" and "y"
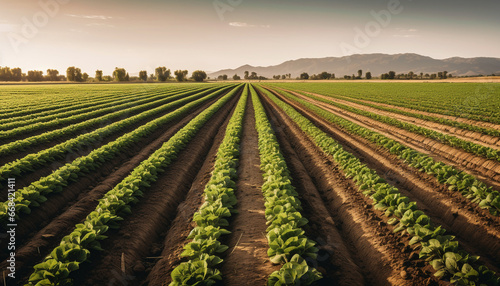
{"x": 377, "y": 64}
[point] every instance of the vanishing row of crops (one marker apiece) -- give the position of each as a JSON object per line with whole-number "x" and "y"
{"x": 437, "y": 247}
{"x": 71, "y": 133}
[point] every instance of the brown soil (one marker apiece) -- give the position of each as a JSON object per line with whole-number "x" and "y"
{"x": 475, "y": 137}
{"x": 381, "y": 255}
{"x": 164, "y": 254}
{"x": 454, "y": 118}
{"x": 334, "y": 259}
{"x": 153, "y": 214}
{"x": 83, "y": 150}
{"x": 477, "y": 230}
{"x": 247, "y": 262}
{"x": 81, "y": 197}
{"x": 485, "y": 169}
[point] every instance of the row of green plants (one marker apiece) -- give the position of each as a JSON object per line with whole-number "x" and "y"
{"x": 93, "y": 116}
{"x": 288, "y": 244}
{"x": 469, "y": 186}
{"x": 45, "y": 102}
{"x": 78, "y": 114}
{"x": 44, "y": 157}
{"x": 21, "y": 101}
{"x": 35, "y": 194}
{"x": 452, "y": 141}
{"x": 23, "y": 144}
{"x": 77, "y": 247}
{"x": 477, "y": 102}
{"x": 204, "y": 250}
{"x": 32, "y": 161}
{"x": 438, "y": 248}
{"x": 55, "y": 111}
{"x": 439, "y": 120}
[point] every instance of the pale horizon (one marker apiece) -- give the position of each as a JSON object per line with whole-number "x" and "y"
{"x": 214, "y": 35}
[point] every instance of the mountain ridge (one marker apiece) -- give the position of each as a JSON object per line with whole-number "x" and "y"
{"x": 376, "y": 63}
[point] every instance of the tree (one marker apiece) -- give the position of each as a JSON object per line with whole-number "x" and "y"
{"x": 199, "y": 75}
{"x": 143, "y": 75}
{"x": 236, "y": 77}
{"x": 410, "y": 75}
{"x": 85, "y": 77}
{"x": 440, "y": 75}
{"x": 333, "y": 76}
{"x": 433, "y": 76}
{"x": 360, "y": 74}
{"x": 304, "y": 75}
{"x": 17, "y": 74}
{"x": 180, "y": 75}
{"x": 162, "y": 73}
{"x": 421, "y": 75}
{"x": 127, "y": 77}
{"x": 325, "y": 75}
{"x": 70, "y": 73}
{"x": 246, "y": 75}
{"x": 52, "y": 75}
{"x": 445, "y": 74}
{"x": 254, "y": 75}
{"x": 35, "y": 76}
{"x": 224, "y": 77}
{"x": 120, "y": 74}
{"x": 283, "y": 76}
{"x": 5, "y": 74}
{"x": 392, "y": 75}
{"x": 98, "y": 75}
{"x": 368, "y": 75}
{"x": 74, "y": 74}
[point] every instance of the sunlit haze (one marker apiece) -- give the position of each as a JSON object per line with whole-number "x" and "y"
{"x": 213, "y": 35}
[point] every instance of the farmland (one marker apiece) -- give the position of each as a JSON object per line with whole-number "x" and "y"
{"x": 268, "y": 183}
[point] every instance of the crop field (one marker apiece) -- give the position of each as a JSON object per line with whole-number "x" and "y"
{"x": 262, "y": 183}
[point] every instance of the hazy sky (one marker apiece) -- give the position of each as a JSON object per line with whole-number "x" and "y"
{"x": 217, "y": 34}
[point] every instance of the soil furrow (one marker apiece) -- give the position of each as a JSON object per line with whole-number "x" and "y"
{"x": 62, "y": 211}
{"x": 384, "y": 257}
{"x": 53, "y": 142}
{"x": 126, "y": 248}
{"x": 454, "y": 118}
{"x": 334, "y": 259}
{"x": 475, "y": 137}
{"x": 476, "y": 229}
{"x": 485, "y": 169}
{"x": 247, "y": 262}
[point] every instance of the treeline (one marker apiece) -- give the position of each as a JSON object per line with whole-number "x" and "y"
{"x": 162, "y": 74}
{"x": 412, "y": 75}
{"x": 74, "y": 74}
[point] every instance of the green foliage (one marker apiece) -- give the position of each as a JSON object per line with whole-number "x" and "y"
{"x": 76, "y": 247}
{"x": 435, "y": 244}
{"x": 286, "y": 239}
{"x": 294, "y": 273}
{"x": 456, "y": 180}
{"x": 199, "y": 75}
{"x": 204, "y": 249}
{"x": 199, "y": 272}
{"x": 162, "y": 73}
{"x": 180, "y": 75}
{"x": 35, "y": 194}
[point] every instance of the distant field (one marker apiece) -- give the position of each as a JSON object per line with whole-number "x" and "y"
{"x": 322, "y": 183}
